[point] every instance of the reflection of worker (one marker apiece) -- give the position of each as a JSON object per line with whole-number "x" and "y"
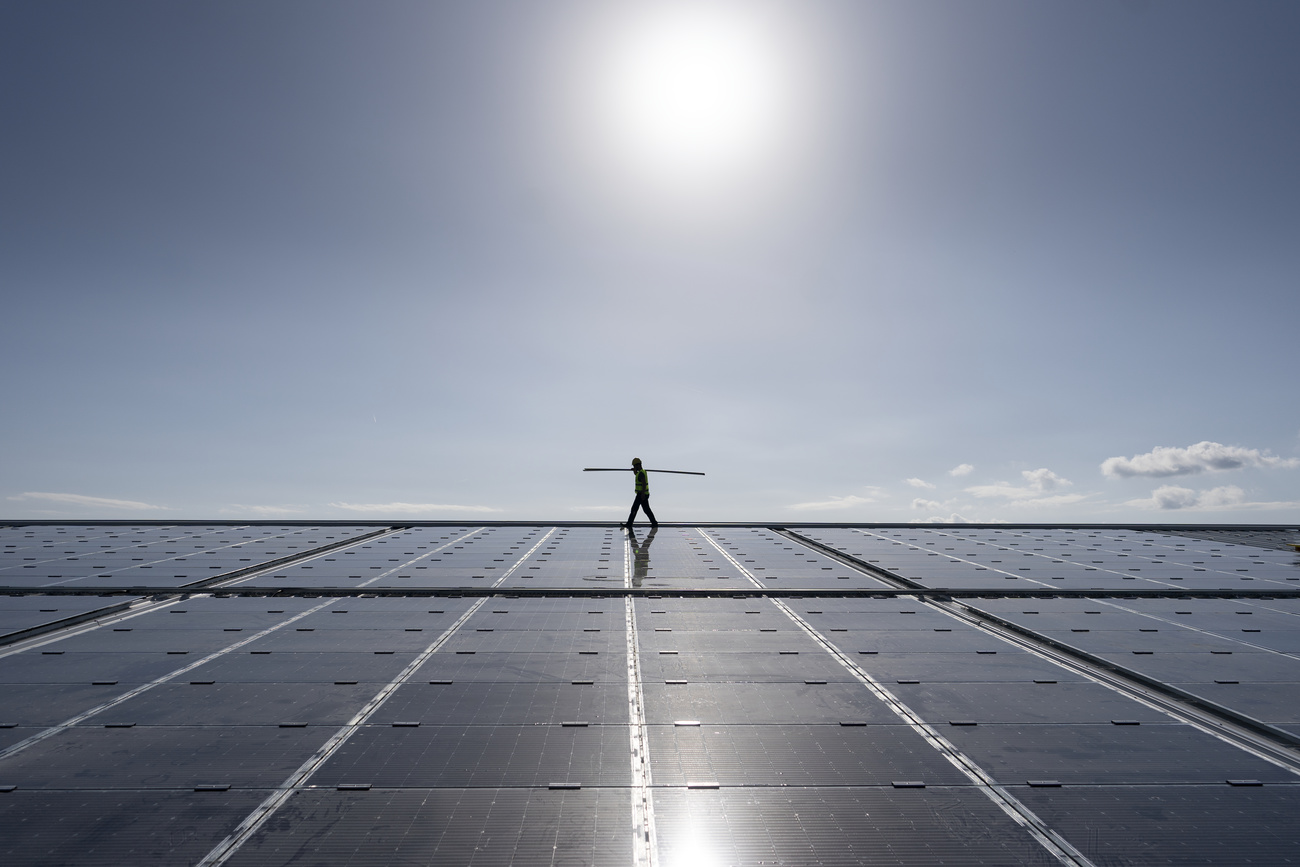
{"x": 641, "y": 555}
{"x": 642, "y": 500}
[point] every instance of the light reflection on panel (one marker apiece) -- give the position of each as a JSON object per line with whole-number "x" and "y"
{"x": 809, "y": 825}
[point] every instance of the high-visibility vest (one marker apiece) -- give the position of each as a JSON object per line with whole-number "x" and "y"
{"x": 642, "y": 483}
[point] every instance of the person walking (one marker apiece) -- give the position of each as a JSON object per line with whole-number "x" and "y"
{"x": 642, "y": 500}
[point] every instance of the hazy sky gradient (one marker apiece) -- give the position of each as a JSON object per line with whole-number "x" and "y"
{"x": 321, "y": 260}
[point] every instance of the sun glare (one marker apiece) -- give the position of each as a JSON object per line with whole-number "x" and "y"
{"x": 695, "y": 90}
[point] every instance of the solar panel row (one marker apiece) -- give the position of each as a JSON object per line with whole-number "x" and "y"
{"x": 548, "y": 695}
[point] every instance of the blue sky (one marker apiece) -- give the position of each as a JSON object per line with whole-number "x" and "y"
{"x": 896, "y": 261}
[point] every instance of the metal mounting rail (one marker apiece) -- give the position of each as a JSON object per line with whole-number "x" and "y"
{"x": 269, "y": 565}
{"x": 938, "y": 594}
{"x": 1172, "y": 529}
{"x": 896, "y": 581}
{"x": 63, "y": 623}
{"x": 1242, "y": 730}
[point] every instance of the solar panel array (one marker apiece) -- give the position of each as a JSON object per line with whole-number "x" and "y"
{"x": 504, "y": 694}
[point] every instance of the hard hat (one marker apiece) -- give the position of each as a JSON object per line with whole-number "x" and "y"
{"x": 636, "y": 462}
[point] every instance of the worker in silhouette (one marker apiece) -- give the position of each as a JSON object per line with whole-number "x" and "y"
{"x": 641, "y": 555}
{"x": 642, "y": 500}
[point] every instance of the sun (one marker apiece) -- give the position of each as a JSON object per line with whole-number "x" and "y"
{"x": 688, "y": 91}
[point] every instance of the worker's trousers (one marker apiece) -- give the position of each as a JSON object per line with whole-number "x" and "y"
{"x": 642, "y": 501}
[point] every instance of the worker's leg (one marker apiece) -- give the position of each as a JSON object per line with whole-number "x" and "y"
{"x": 635, "y": 505}
{"x": 645, "y": 504}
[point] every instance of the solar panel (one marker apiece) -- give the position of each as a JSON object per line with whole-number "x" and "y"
{"x": 547, "y": 694}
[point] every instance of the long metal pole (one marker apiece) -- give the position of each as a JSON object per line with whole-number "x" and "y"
{"x": 629, "y": 469}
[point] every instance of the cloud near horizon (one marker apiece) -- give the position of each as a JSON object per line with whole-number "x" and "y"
{"x": 835, "y": 503}
{"x": 1203, "y": 457}
{"x": 1037, "y": 483}
{"x": 956, "y": 518}
{"x": 270, "y": 511}
{"x": 961, "y": 470}
{"x": 93, "y": 502}
{"x": 1222, "y": 498}
{"x": 1168, "y": 497}
{"x": 921, "y": 483}
{"x": 410, "y": 508}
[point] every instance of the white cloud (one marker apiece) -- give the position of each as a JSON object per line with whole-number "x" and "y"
{"x": 961, "y": 470}
{"x": 833, "y": 503}
{"x": 270, "y": 511}
{"x": 1038, "y": 483}
{"x": 1001, "y": 489}
{"x": 410, "y": 508}
{"x": 92, "y": 502}
{"x": 921, "y": 483}
{"x": 1024, "y": 496}
{"x": 1226, "y": 496}
{"x": 1174, "y": 497}
{"x": 937, "y": 510}
{"x": 1043, "y": 479}
{"x": 1203, "y": 457}
{"x": 1170, "y": 497}
{"x": 1055, "y": 500}
{"x": 955, "y": 518}
{"x": 1223, "y": 498}
{"x": 1267, "y": 505}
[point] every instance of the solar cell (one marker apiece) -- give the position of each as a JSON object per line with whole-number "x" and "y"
{"x": 110, "y": 827}
{"x": 765, "y": 703}
{"x": 516, "y": 703}
{"x": 246, "y": 704}
{"x": 796, "y": 755}
{"x": 118, "y": 753}
{"x": 441, "y": 756}
{"x": 450, "y": 826}
{"x": 1109, "y": 754}
{"x": 1216, "y": 824}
